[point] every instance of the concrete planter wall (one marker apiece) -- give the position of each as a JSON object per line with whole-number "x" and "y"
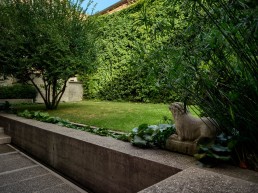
{"x": 100, "y": 164}
{"x": 103, "y": 164}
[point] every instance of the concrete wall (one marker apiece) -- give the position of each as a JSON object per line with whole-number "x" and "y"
{"x": 73, "y": 91}
{"x": 6, "y": 82}
{"x": 116, "y": 7}
{"x": 99, "y": 165}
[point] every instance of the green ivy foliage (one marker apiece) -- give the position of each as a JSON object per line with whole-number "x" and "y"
{"x": 124, "y": 44}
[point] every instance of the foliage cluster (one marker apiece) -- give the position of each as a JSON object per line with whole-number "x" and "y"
{"x": 124, "y": 45}
{"x": 210, "y": 154}
{"x": 45, "y": 117}
{"x": 18, "y": 91}
{"x": 219, "y": 54}
{"x": 151, "y": 135}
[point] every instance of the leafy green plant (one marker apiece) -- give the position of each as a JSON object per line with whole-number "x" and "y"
{"x": 151, "y": 135}
{"x": 45, "y": 117}
{"x": 217, "y": 152}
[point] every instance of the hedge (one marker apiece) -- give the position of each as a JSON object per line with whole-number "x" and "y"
{"x": 18, "y": 91}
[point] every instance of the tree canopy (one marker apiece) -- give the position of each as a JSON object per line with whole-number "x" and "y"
{"x": 51, "y": 40}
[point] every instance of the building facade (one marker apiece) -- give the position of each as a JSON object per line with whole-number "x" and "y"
{"x": 117, "y": 7}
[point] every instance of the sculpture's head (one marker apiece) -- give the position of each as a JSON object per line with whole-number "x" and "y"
{"x": 177, "y": 108}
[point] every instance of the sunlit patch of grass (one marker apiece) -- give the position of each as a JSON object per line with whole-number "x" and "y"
{"x": 120, "y": 116}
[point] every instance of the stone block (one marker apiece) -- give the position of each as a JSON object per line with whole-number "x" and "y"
{"x": 185, "y": 147}
{"x": 87, "y": 159}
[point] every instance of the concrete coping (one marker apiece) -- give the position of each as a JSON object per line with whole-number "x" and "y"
{"x": 198, "y": 180}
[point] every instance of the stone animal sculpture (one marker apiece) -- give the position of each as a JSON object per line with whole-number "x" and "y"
{"x": 190, "y": 128}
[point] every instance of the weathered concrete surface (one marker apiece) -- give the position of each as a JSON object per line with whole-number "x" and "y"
{"x": 4, "y": 138}
{"x": 99, "y": 163}
{"x": 185, "y": 147}
{"x": 104, "y": 164}
{"x": 18, "y": 173}
{"x": 73, "y": 91}
{"x": 195, "y": 180}
{"x": 5, "y": 149}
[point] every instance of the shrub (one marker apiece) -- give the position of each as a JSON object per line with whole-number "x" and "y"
{"x": 18, "y": 91}
{"x": 151, "y": 135}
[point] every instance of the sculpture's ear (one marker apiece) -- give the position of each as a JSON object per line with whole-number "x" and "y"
{"x": 172, "y": 106}
{"x": 179, "y": 107}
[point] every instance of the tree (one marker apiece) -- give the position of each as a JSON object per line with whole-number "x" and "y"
{"x": 52, "y": 40}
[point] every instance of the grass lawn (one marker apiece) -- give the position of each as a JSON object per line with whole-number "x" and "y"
{"x": 120, "y": 116}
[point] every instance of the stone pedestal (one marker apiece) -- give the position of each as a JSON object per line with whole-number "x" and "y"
{"x": 185, "y": 147}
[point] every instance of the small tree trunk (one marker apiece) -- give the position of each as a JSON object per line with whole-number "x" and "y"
{"x": 52, "y": 103}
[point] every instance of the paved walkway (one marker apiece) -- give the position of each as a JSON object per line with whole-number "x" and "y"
{"x": 20, "y": 173}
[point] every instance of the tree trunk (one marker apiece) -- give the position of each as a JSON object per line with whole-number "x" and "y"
{"x": 53, "y": 102}
{"x": 52, "y": 96}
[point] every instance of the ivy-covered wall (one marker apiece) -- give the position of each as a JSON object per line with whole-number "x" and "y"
{"x": 125, "y": 40}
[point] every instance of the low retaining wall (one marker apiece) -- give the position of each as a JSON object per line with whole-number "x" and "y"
{"x": 101, "y": 164}
{"x": 16, "y": 100}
